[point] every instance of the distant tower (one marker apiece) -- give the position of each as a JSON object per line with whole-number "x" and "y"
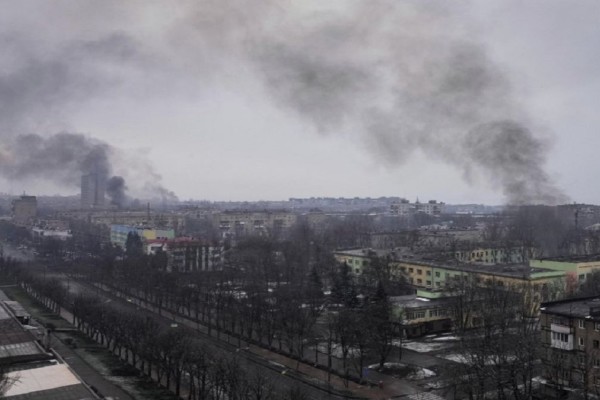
{"x": 93, "y": 187}
{"x": 24, "y": 209}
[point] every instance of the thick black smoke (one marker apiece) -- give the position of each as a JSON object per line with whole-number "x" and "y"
{"x": 61, "y": 158}
{"x": 39, "y": 86}
{"x": 408, "y": 79}
{"x": 407, "y": 76}
{"x": 117, "y": 191}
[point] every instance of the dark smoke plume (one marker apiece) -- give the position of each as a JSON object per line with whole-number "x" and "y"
{"x": 116, "y": 191}
{"x": 405, "y": 75}
{"x": 38, "y": 85}
{"x": 62, "y": 158}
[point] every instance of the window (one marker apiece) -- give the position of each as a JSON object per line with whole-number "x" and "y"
{"x": 561, "y": 337}
{"x": 419, "y": 272}
{"x": 357, "y": 270}
{"x": 415, "y": 314}
{"x": 419, "y": 281}
{"x": 582, "y": 277}
{"x": 437, "y": 274}
{"x": 597, "y": 326}
{"x": 581, "y": 342}
{"x": 596, "y": 344}
{"x": 428, "y": 273}
{"x": 428, "y": 283}
{"x": 437, "y": 284}
{"x": 581, "y": 324}
{"x": 411, "y": 270}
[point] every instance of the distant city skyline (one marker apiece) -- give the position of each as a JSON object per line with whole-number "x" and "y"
{"x": 187, "y": 110}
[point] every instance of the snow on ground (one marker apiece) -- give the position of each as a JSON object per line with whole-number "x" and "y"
{"x": 421, "y": 373}
{"x": 414, "y": 372}
{"x": 459, "y": 358}
{"x": 336, "y": 350}
{"x": 446, "y": 338}
{"x": 423, "y": 347}
{"x": 388, "y": 365}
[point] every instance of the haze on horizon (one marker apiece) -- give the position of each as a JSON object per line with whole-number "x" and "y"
{"x": 474, "y": 102}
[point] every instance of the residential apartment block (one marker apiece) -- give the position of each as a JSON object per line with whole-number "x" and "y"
{"x": 24, "y": 209}
{"x": 241, "y": 223}
{"x": 187, "y": 254}
{"x": 119, "y": 233}
{"x": 571, "y": 343}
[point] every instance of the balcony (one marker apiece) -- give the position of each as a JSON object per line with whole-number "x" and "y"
{"x": 561, "y": 328}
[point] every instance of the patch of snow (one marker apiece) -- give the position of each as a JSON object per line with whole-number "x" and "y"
{"x": 423, "y": 347}
{"x": 421, "y": 373}
{"x": 336, "y": 350}
{"x": 446, "y": 338}
{"x": 459, "y": 358}
{"x": 388, "y": 365}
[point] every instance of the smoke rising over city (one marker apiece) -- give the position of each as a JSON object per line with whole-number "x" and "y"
{"x": 36, "y": 95}
{"x": 422, "y": 88}
{"x": 395, "y": 78}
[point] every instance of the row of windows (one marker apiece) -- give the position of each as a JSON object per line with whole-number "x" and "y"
{"x": 427, "y": 283}
{"x": 582, "y": 325}
{"x": 561, "y": 337}
{"x": 431, "y": 313}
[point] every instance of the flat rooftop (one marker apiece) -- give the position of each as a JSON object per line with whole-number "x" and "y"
{"x": 574, "y": 259}
{"x": 363, "y": 252}
{"x": 507, "y": 270}
{"x": 52, "y": 382}
{"x": 579, "y": 308}
{"x": 413, "y": 301}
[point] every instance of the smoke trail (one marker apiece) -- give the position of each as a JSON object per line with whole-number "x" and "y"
{"x": 38, "y": 86}
{"x": 405, "y": 75}
{"x": 63, "y": 157}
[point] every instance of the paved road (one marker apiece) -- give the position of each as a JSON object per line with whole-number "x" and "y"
{"x": 252, "y": 360}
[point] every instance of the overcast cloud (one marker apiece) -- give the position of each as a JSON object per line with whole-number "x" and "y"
{"x": 477, "y": 102}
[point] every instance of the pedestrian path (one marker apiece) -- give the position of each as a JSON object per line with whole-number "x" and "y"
{"x": 87, "y": 373}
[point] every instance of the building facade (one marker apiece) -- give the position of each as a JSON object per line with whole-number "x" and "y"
{"x": 262, "y": 223}
{"x": 93, "y": 189}
{"x": 24, "y": 209}
{"x": 119, "y": 233}
{"x": 187, "y": 254}
{"x": 570, "y": 335}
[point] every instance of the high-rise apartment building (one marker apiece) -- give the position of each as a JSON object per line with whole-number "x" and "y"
{"x": 93, "y": 188}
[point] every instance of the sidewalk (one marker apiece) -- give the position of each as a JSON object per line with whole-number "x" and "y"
{"x": 87, "y": 373}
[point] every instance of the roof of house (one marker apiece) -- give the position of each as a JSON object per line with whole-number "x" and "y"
{"x": 51, "y": 382}
{"x": 579, "y": 308}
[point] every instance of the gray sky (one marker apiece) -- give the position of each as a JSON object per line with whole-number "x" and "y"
{"x": 220, "y": 100}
